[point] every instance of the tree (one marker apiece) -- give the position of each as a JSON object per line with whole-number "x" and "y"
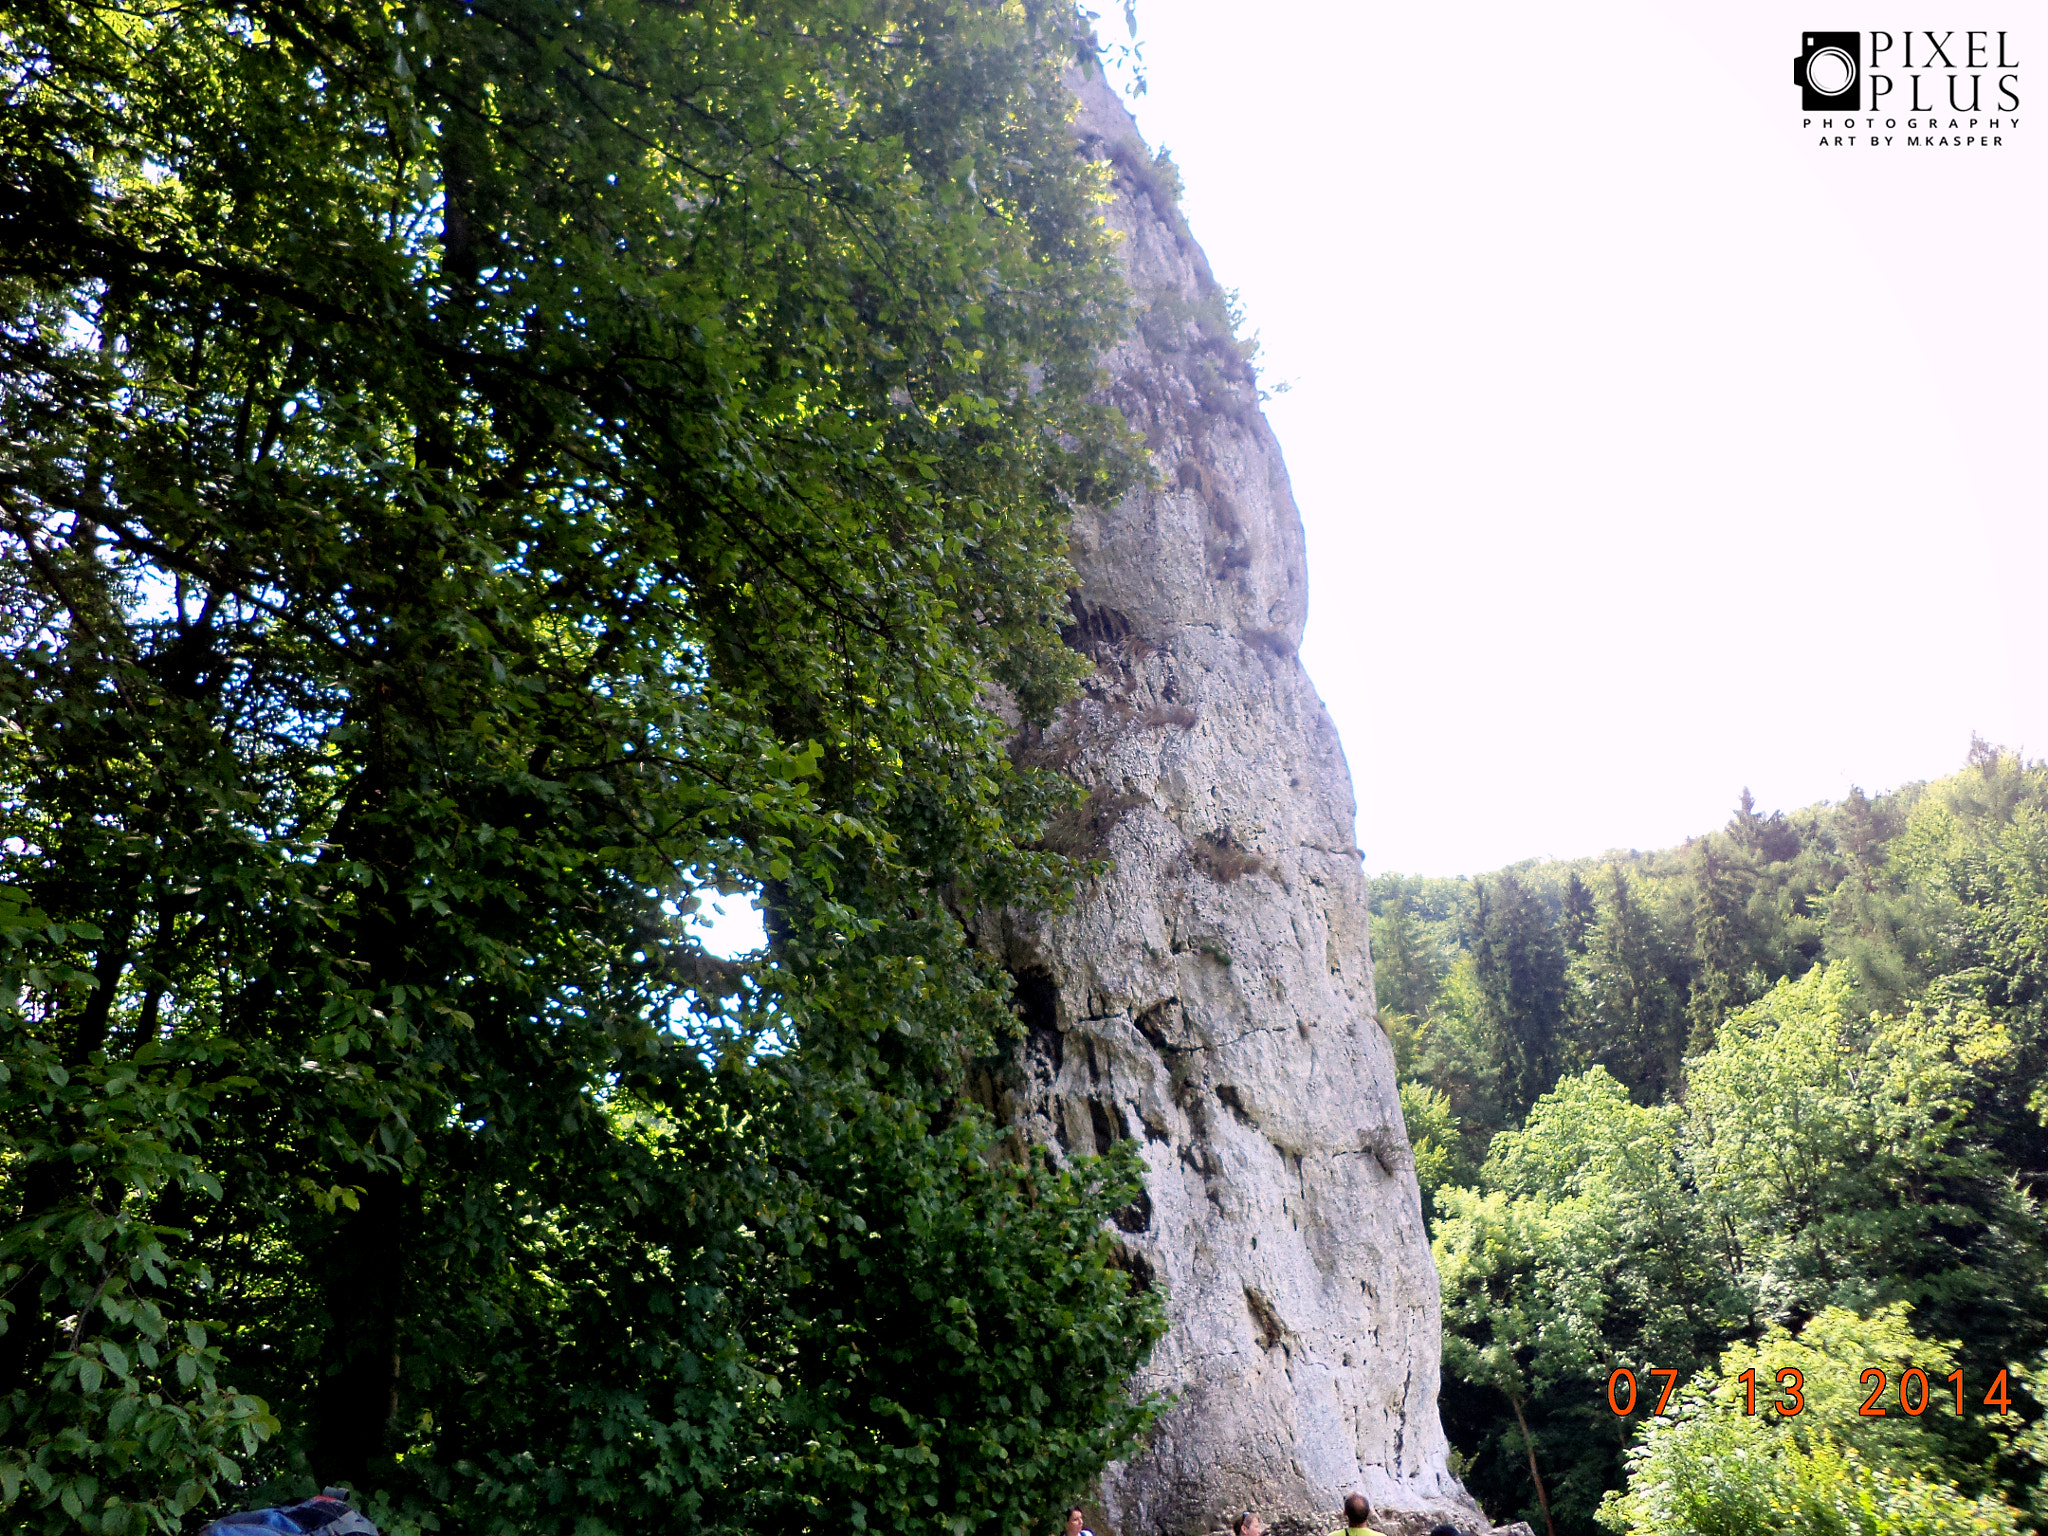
{"x": 1965, "y": 890}
{"x": 1407, "y": 970}
{"x": 1764, "y": 839}
{"x": 1863, "y": 1134}
{"x": 1974, "y": 855}
{"x": 1720, "y": 969}
{"x": 1712, "y": 1468}
{"x": 1840, "y": 1156}
{"x": 478, "y": 478}
{"x": 1583, "y": 1251}
{"x": 1628, "y": 1014}
{"x": 1514, "y": 1322}
{"x": 1580, "y": 913}
{"x": 1440, "y": 1157}
{"x": 1518, "y": 963}
{"x": 1453, "y": 1053}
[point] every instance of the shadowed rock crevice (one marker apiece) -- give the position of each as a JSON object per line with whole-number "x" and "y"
{"x": 1266, "y": 1322}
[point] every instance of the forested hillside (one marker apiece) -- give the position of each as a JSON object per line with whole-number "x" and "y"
{"x": 1772, "y": 1099}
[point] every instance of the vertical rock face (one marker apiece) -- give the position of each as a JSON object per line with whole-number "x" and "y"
{"x": 1212, "y": 997}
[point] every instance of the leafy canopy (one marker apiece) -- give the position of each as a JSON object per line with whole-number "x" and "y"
{"x": 478, "y": 478}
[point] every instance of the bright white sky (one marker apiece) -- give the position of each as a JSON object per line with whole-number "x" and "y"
{"x": 1647, "y": 450}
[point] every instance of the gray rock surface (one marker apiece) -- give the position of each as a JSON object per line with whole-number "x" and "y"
{"x": 1212, "y": 997}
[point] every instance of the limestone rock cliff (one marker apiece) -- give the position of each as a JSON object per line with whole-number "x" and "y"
{"x": 1212, "y": 998}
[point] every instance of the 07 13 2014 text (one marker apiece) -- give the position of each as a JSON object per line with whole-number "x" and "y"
{"x": 1915, "y": 1392}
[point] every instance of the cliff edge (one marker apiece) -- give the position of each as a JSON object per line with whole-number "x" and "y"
{"x": 1212, "y": 997}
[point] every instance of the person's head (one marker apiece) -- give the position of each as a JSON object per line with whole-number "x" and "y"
{"x": 1075, "y": 1520}
{"x": 1445, "y": 1530}
{"x": 1246, "y": 1524}
{"x": 1356, "y": 1510}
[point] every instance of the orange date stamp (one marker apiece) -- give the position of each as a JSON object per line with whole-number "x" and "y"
{"x": 1915, "y": 1392}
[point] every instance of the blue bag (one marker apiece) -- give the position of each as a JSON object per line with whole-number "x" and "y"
{"x": 328, "y": 1513}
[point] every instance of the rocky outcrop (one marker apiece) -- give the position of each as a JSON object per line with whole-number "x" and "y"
{"x": 1212, "y": 997}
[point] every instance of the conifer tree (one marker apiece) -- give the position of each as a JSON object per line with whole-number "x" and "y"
{"x": 1405, "y": 970}
{"x": 1580, "y": 913}
{"x": 1519, "y": 962}
{"x": 1718, "y": 958}
{"x": 1630, "y": 1016}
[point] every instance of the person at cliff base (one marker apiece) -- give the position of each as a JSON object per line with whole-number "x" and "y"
{"x": 1357, "y": 1511}
{"x": 1247, "y": 1524}
{"x": 1075, "y": 1526}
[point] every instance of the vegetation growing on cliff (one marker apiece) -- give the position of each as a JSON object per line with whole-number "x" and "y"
{"x": 478, "y": 478}
{"x": 1682, "y": 1106}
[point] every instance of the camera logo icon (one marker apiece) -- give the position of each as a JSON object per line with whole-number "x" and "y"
{"x": 1829, "y": 72}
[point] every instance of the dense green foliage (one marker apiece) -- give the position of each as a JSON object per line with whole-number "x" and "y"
{"x": 476, "y": 479}
{"x": 1710, "y": 1467}
{"x": 1673, "y": 1108}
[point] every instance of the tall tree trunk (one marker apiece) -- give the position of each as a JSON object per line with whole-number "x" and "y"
{"x": 1529, "y": 1442}
{"x": 30, "y": 1337}
{"x": 356, "y": 1399}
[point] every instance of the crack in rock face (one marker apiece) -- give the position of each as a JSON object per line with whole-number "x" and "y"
{"x": 1211, "y": 998}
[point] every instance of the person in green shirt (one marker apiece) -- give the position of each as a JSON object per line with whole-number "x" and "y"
{"x": 1357, "y": 1511}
